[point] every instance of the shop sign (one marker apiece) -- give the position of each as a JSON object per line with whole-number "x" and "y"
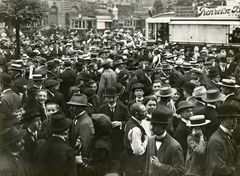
{"x": 219, "y": 11}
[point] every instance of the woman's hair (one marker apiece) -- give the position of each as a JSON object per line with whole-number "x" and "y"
{"x": 148, "y": 98}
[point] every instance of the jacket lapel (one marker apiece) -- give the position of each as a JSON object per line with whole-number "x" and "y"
{"x": 163, "y": 146}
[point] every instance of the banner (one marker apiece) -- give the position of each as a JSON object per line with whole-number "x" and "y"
{"x": 219, "y": 12}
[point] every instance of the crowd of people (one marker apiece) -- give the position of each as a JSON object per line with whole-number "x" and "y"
{"x": 109, "y": 104}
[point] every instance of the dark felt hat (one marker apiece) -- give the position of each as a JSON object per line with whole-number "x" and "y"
{"x": 213, "y": 95}
{"x": 131, "y": 67}
{"x": 51, "y": 64}
{"x": 58, "y": 122}
{"x": 85, "y": 77}
{"x": 227, "y": 110}
{"x": 213, "y": 72}
{"x": 159, "y": 116}
{"x": 89, "y": 92}
{"x": 148, "y": 68}
{"x": 51, "y": 83}
{"x": 182, "y": 105}
{"x": 189, "y": 86}
{"x": 11, "y": 135}
{"x": 78, "y": 100}
{"x": 30, "y": 114}
{"x": 138, "y": 86}
{"x": 5, "y": 78}
{"x": 110, "y": 92}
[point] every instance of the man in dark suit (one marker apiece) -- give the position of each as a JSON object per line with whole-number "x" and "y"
{"x": 9, "y": 98}
{"x": 133, "y": 79}
{"x": 68, "y": 76}
{"x": 222, "y": 151}
{"x": 146, "y": 80}
{"x": 164, "y": 153}
{"x": 82, "y": 127}
{"x": 214, "y": 78}
{"x": 12, "y": 143}
{"x": 197, "y": 94}
{"x": 55, "y": 156}
{"x": 119, "y": 115}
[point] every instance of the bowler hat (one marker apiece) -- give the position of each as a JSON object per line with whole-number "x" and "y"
{"x": 5, "y": 78}
{"x": 189, "y": 86}
{"x": 228, "y": 83}
{"x": 159, "y": 116}
{"x": 78, "y": 100}
{"x": 182, "y": 105}
{"x": 138, "y": 86}
{"x": 197, "y": 120}
{"x": 58, "y": 122}
{"x": 166, "y": 91}
{"x": 30, "y": 115}
{"x": 227, "y": 110}
{"x": 110, "y": 92}
{"x": 213, "y": 72}
{"x": 131, "y": 67}
{"x": 89, "y": 92}
{"x": 213, "y": 95}
{"x": 199, "y": 91}
{"x": 11, "y": 135}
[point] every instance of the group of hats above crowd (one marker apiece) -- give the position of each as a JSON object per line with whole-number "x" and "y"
{"x": 106, "y": 103}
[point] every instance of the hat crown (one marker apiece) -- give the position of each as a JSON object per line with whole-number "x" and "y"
{"x": 138, "y": 86}
{"x": 226, "y": 110}
{"x": 213, "y": 94}
{"x": 11, "y": 135}
{"x": 78, "y": 99}
{"x": 184, "y": 104}
{"x": 58, "y": 122}
{"x": 111, "y": 91}
{"x": 158, "y": 116}
{"x": 199, "y": 91}
{"x": 166, "y": 91}
{"x": 5, "y": 78}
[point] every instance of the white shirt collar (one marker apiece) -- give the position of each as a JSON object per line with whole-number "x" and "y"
{"x": 113, "y": 106}
{"x": 59, "y": 136}
{"x": 210, "y": 105}
{"x": 161, "y": 136}
{"x": 6, "y": 90}
{"x": 34, "y": 133}
{"x": 226, "y": 130}
{"x": 136, "y": 120}
{"x": 184, "y": 120}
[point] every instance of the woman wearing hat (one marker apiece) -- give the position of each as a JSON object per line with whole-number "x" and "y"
{"x": 196, "y": 141}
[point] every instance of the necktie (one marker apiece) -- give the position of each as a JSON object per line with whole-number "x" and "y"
{"x": 112, "y": 109}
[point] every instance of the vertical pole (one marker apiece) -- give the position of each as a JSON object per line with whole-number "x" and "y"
{"x": 17, "y": 52}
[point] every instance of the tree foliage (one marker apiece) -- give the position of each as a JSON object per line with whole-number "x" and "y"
{"x": 23, "y": 11}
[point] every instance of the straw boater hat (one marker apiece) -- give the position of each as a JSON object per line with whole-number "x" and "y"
{"x": 213, "y": 95}
{"x": 197, "y": 120}
{"x": 228, "y": 83}
{"x": 166, "y": 92}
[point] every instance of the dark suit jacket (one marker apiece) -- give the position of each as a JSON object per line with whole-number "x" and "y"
{"x": 221, "y": 154}
{"x": 198, "y": 106}
{"x": 11, "y": 100}
{"x": 133, "y": 80}
{"x": 83, "y": 129}
{"x": 170, "y": 155}
{"x": 186, "y": 77}
{"x": 30, "y": 146}
{"x": 121, "y": 113}
{"x": 12, "y": 166}
{"x": 147, "y": 85}
{"x": 230, "y": 70}
{"x": 55, "y": 157}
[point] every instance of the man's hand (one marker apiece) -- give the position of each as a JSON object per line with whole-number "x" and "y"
{"x": 155, "y": 161}
{"x": 116, "y": 124}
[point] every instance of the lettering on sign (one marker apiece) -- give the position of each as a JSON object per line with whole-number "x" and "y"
{"x": 185, "y": 12}
{"x": 220, "y": 11}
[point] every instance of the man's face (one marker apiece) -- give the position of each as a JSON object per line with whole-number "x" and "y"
{"x": 143, "y": 113}
{"x": 230, "y": 123}
{"x": 111, "y": 99}
{"x": 187, "y": 113}
{"x": 75, "y": 110}
{"x": 157, "y": 129}
{"x": 139, "y": 93}
{"x": 156, "y": 87}
{"x": 35, "y": 124}
{"x": 51, "y": 109}
{"x": 150, "y": 106}
{"x": 94, "y": 86}
{"x": 194, "y": 76}
{"x": 216, "y": 78}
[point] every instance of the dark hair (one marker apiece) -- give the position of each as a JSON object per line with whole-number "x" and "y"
{"x": 148, "y": 98}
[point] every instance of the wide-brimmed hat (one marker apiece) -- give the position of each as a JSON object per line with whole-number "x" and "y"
{"x": 189, "y": 86}
{"x": 11, "y": 135}
{"x": 159, "y": 116}
{"x": 228, "y": 83}
{"x": 213, "y": 72}
{"x": 166, "y": 91}
{"x": 131, "y": 67}
{"x": 196, "y": 70}
{"x": 17, "y": 67}
{"x": 5, "y": 78}
{"x": 58, "y": 122}
{"x": 78, "y": 100}
{"x": 30, "y": 114}
{"x": 110, "y": 92}
{"x": 199, "y": 91}
{"x": 118, "y": 62}
{"x": 182, "y": 105}
{"x": 37, "y": 77}
{"x": 138, "y": 86}
{"x": 213, "y": 95}
{"x": 227, "y": 110}
{"x": 197, "y": 120}
{"x": 84, "y": 76}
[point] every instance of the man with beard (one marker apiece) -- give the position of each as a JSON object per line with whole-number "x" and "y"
{"x": 54, "y": 95}
{"x": 12, "y": 143}
{"x": 222, "y": 151}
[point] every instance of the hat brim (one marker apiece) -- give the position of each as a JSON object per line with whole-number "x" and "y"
{"x": 153, "y": 121}
{"x": 228, "y": 115}
{"x": 224, "y": 85}
{"x": 222, "y": 97}
{"x": 77, "y": 104}
{"x": 29, "y": 118}
{"x": 108, "y": 95}
{"x": 59, "y": 128}
{"x": 133, "y": 89}
{"x": 197, "y": 96}
{"x": 169, "y": 95}
{"x": 183, "y": 108}
{"x": 21, "y": 134}
{"x": 200, "y": 124}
